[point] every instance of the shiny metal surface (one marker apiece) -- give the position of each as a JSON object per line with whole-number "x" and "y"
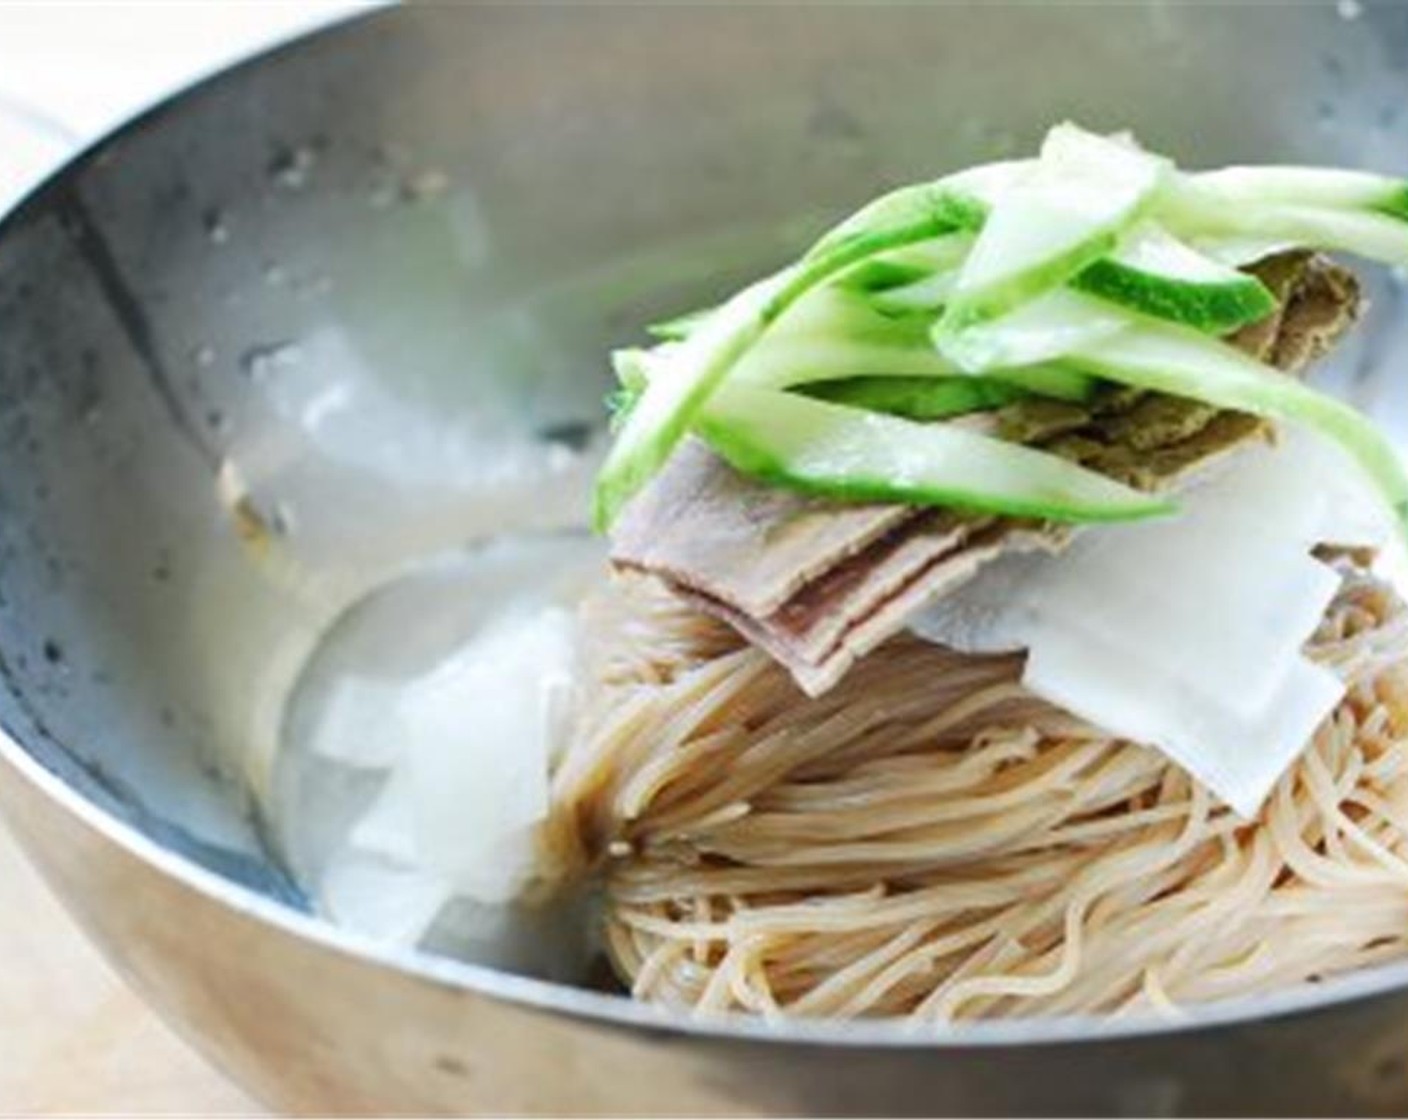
{"x": 344, "y": 307}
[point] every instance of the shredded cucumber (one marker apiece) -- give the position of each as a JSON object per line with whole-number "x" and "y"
{"x": 805, "y": 361}
{"x": 881, "y": 275}
{"x": 1320, "y": 187}
{"x": 872, "y": 277}
{"x": 853, "y": 455}
{"x": 929, "y": 395}
{"x": 1155, "y": 273}
{"x": 1096, "y": 260}
{"x": 1058, "y": 380}
{"x": 1151, "y": 272}
{"x": 834, "y": 333}
{"x": 633, "y": 366}
{"x": 1176, "y": 360}
{"x": 671, "y": 402}
{"x": 1308, "y": 207}
{"x": 935, "y": 398}
{"x": 680, "y": 327}
{"x": 963, "y": 200}
{"x": 1046, "y": 328}
{"x": 917, "y": 398}
{"x": 930, "y": 293}
{"x": 1067, "y": 213}
{"x": 1366, "y": 233}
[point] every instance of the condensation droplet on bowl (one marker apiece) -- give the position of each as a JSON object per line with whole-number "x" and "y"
{"x": 203, "y": 356}
{"x": 1326, "y": 113}
{"x": 274, "y": 275}
{"x": 1349, "y": 9}
{"x": 424, "y": 186}
{"x": 291, "y": 167}
{"x": 561, "y": 457}
{"x": 318, "y": 284}
{"x": 217, "y": 230}
{"x": 382, "y": 196}
{"x": 259, "y": 362}
{"x": 281, "y": 519}
{"x": 232, "y": 492}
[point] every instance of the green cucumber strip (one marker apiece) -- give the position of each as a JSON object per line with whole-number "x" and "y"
{"x": 937, "y": 398}
{"x": 804, "y": 361}
{"x": 1070, "y": 211}
{"x": 1156, "y": 274}
{"x": 940, "y": 255}
{"x": 1040, "y": 224}
{"x": 1319, "y": 187}
{"x": 1051, "y": 379}
{"x": 830, "y": 336}
{"x": 935, "y": 265}
{"x": 881, "y": 275}
{"x": 1046, "y": 328}
{"x": 906, "y": 267}
{"x": 1396, "y": 204}
{"x": 1176, "y": 360}
{"x": 619, "y": 403}
{"x": 672, "y": 401}
{"x": 680, "y": 327}
{"x": 833, "y": 333}
{"x": 917, "y": 398}
{"x": 634, "y": 367}
{"x": 1152, "y": 272}
{"x": 1365, "y": 233}
{"x": 929, "y": 294}
{"x": 845, "y": 453}
{"x": 964, "y": 198}
{"x": 891, "y": 270}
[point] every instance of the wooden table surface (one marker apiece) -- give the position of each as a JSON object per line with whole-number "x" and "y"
{"x": 73, "y": 1037}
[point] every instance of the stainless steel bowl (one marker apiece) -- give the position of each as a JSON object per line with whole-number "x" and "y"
{"x": 441, "y": 217}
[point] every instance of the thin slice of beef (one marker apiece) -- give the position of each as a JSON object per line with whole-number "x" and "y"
{"x": 819, "y": 583}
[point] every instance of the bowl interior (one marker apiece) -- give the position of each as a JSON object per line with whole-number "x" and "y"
{"x": 344, "y": 310}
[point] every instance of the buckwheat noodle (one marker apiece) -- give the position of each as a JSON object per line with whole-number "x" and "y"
{"x": 929, "y": 840}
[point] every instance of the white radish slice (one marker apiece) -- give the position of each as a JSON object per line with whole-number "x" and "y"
{"x": 387, "y": 828}
{"x": 381, "y": 898}
{"x": 479, "y": 749}
{"x": 1188, "y": 633}
{"x": 358, "y": 724}
{"x": 456, "y": 815}
{"x": 1239, "y": 758}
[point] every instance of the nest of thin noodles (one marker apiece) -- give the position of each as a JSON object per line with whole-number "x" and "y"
{"x": 929, "y": 840}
